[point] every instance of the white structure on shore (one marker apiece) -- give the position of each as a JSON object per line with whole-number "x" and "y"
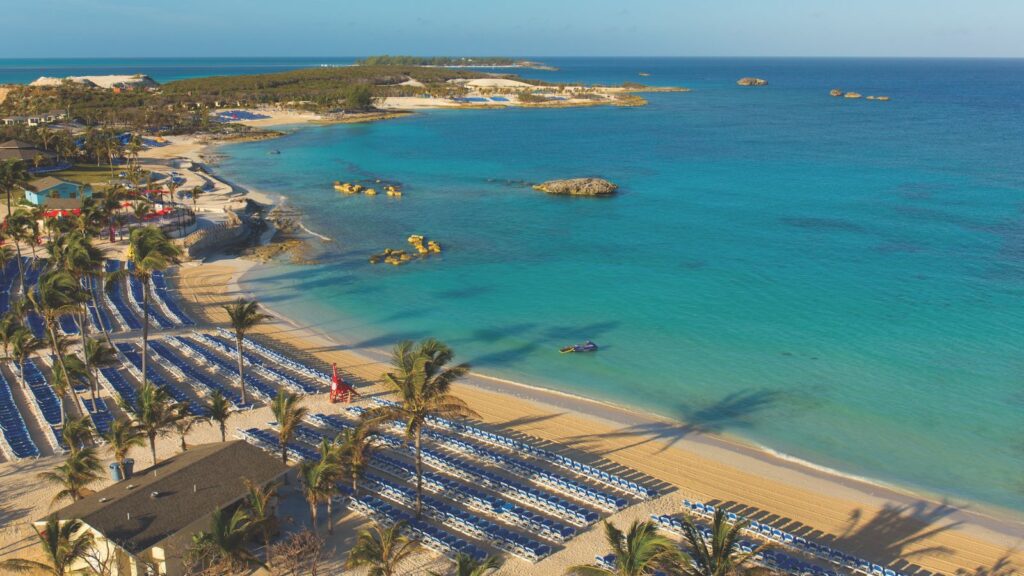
{"x": 124, "y": 81}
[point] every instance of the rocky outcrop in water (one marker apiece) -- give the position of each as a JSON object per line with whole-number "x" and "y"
{"x": 578, "y": 187}
{"x": 749, "y": 81}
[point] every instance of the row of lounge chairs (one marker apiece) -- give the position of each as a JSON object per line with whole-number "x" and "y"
{"x": 115, "y": 298}
{"x": 226, "y": 368}
{"x": 428, "y": 535}
{"x": 479, "y": 500}
{"x": 164, "y": 298}
{"x": 463, "y": 521}
{"x": 454, "y": 489}
{"x": 187, "y": 371}
{"x": 807, "y": 546}
{"x": 254, "y": 360}
{"x": 17, "y": 443}
{"x": 520, "y": 447}
{"x": 281, "y": 359}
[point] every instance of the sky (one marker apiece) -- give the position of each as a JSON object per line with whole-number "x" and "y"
{"x": 153, "y": 28}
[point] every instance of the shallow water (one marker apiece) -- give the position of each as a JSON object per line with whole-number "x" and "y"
{"x": 841, "y": 281}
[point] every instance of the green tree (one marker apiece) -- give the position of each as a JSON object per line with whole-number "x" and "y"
{"x": 183, "y": 423}
{"x": 289, "y": 412}
{"x": 80, "y": 469}
{"x": 13, "y": 175}
{"x": 154, "y": 413}
{"x": 57, "y": 294}
{"x": 244, "y": 316}
{"x": 466, "y": 565}
{"x": 721, "y": 556}
{"x": 220, "y": 411}
{"x": 64, "y": 544}
{"x": 260, "y": 504}
{"x": 66, "y": 374}
{"x": 149, "y": 251}
{"x": 77, "y": 433}
{"x": 642, "y": 551}
{"x": 314, "y": 477}
{"x": 23, "y": 344}
{"x": 423, "y": 381}
{"x": 122, "y": 436}
{"x": 98, "y": 354}
{"x": 381, "y": 550}
{"x": 356, "y": 450}
{"x": 224, "y": 544}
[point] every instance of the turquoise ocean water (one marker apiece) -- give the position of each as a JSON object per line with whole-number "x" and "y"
{"x": 841, "y": 281}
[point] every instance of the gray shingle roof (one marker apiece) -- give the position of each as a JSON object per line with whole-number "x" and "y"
{"x": 189, "y": 487}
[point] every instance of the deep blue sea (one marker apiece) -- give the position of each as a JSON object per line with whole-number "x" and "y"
{"x": 838, "y": 280}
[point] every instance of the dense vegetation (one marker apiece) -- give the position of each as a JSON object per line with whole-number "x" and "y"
{"x": 387, "y": 60}
{"x": 184, "y": 105}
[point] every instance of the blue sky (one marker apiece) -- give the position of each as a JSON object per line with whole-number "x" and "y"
{"x": 123, "y": 28}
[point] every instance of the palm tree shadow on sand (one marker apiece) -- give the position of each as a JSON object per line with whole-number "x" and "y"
{"x": 736, "y": 410}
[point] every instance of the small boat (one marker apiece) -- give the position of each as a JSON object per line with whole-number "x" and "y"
{"x": 587, "y": 346}
{"x": 275, "y": 151}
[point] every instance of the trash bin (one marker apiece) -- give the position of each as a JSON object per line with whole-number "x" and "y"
{"x": 129, "y": 468}
{"x": 115, "y": 472}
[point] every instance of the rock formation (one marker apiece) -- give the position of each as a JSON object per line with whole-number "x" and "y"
{"x": 578, "y": 187}
{"x": 852, "y": 95}
{"x": 836, "y": 92}
{"x": 748, "y": 81}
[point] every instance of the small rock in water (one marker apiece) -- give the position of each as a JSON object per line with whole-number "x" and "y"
{"x": 578, "y": 187}
{"x": 750, "y": 81}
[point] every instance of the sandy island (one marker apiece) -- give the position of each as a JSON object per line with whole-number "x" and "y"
{"x": 908, "y": 532}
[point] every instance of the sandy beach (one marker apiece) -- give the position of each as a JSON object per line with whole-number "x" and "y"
{"x": 911, "y": 533}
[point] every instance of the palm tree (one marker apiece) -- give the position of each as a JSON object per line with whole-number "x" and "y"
{"x": 77, "y": 432}
{"x": 62, "y": 545}
{"x": 225, "y": 541}
{"x": 183, "y": 423}
{"x": 84, "y": 262}
{"x": 381, "y": 549}
{"x": 66, "y": 372}
{"x": 356, "y": 450}
{"x": 423, "y": 384}
{"x": 333, "y": 468}
{"x": 289, "y": 412}
{"x": 23, "y": 344}
{"x": 10, "y": 323}
{"x": 57, "y": 293}
{"x": 197, "y": 191}
{"x": 639, "y": 552}
{"x": 154, "y": 413}
{"x": 719, "y": 557}
{"x": 13, "y": 175}
{"x": 220, "y": 411}
{"x": 122, "y": 436}
{"x": 150, "y": 251}
{"x": 259, "y": 503}
{"x": 466, "y": 565}
{"x": 98, "y": 354}
{"x": 244, "y": 315}
{"x": 80, "y": 469}
{"x": 314, "y": 476}
{"x": 23, "y": 226}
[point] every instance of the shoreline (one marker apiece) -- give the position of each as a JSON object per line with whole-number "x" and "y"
{"x": 616, "y": 412}
{"x": 730, "y": 457}
{"x": 635, "y": 415}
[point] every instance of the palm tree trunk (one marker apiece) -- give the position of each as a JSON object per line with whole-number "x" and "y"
{"x": 419, "y": 475}
{"x": 145, "y": 329}
{"x": 83, "y": 328}
{"x": 241, "y": 370}
{"x": 51, "y": 325}
{"x": 223, "y": 433}
{"x": 266, "y": 545}
{"x": 184, "y": 447}
{"x": 312, "y": 512}
{"x": 152, "y": 446}
{"x": 330, "y": 515}
{"x": 103, "y": 287}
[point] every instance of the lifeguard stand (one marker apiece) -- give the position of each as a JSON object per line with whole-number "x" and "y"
{"x": 340, "y": 391}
